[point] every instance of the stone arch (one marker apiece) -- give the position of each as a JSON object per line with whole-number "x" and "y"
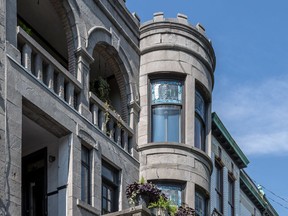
{"x": 100, "y": 36}
{"x": 53, "y": 24}
{"x": 65, "y": 13}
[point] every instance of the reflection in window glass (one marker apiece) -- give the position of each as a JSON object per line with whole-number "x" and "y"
{"x": 166, "y": 101}
{"x": 173, "y": 192}
{"x": 199, "y": 131}
{"x": 85, "y": 175}
{"x": 200, "y": 204}
{"x": 166, "y": 123}
{"x": 219, "y": 190}
{"x": 166, "y": 91}
{"x": 110, "y": 190}
{"x": 230, "y": 197}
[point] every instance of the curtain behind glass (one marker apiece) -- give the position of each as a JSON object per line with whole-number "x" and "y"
{"x": 166, "y": 123}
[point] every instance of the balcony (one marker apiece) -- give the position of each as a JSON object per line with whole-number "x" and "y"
{"x": 110, "y": 123}
{"x": 47, "y": 70}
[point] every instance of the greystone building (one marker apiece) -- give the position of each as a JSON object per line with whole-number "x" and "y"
{"x": 232, "y": 191}
{"x": 91, "y": 101}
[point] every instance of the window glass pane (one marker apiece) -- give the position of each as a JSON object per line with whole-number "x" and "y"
{"x": 173, "y": 192}
{"x": 200, "y": 204}
{"x": 84, "y": 184}
{"x": 199, "y": 139}
{"x": 158, "y": 124}
{"x": 85, "y": 175}
{"x": 200, "y": 105}
{"x": 166, "y": 123}
{"x": 107, "y": 173}
{"x": 109, "y": 189}
{"x": 166, "y": 91}
{"x": 173, "y": 125}
{"x": 85, "y": 155}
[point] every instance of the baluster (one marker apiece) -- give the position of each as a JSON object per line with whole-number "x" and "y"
{"x": 111, "y": 129}
{"x": 118, "y": 135}
{"x": 102, "y": 122}
{"x": 70, "y": 93}
{"x": 60, "y": 85}
{"x": 125, "y": 140}
{"x": 50, "y": 77}
{"x": 95, "y": 111}
{"x": 38, "y": 67}
{"x": 26, "y": 57}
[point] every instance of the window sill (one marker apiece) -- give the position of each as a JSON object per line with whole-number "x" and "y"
{"x": 87, "y": 207}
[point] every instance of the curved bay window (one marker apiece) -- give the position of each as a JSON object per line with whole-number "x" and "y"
{"x": 199, "y": 133}
{"x": 200, "y": 204}
{"x": 173, "y": 191}
{"x": 166, "y": 110}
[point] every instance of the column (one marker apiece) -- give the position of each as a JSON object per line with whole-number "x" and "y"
{"x": 38, "y": 67}
{"x": 26, "y": 57}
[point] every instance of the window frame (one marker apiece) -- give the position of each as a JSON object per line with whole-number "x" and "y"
{"x": 202, "y": 120}
{"x": 173, "y": 184}
{"x": 181, "y": 106}
{"x": 200, "y": 192}
{"x": 219, "y": 191}
{"x": 87, "y": 166}
{"x": 231, "y": 195}
{"x": 113, "y": 185}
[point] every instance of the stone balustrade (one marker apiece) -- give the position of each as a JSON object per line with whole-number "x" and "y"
{"x": 37, "y": 61}
{"x": 110, "y": 123}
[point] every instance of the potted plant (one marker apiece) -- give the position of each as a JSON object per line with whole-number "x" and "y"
{"x": 162, "y": 207}
{"x": 143, "y": 193}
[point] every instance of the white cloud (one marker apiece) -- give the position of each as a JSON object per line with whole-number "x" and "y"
{"x": 256, "y": 115}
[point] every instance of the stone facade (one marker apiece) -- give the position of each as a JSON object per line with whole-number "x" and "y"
{"x": 229, "y": 163}
{"x": 66, "y": 150}
{"x": 172, "y": 49}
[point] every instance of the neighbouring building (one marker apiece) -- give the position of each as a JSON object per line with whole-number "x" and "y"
{"x": 90, "y": 101}
{"x": 233, "y": 193}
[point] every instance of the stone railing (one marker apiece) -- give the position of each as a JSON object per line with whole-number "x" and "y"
{"x": 133, "y": 211}
{"x": 110, "y": 123}
{"x": 37, "y": 61}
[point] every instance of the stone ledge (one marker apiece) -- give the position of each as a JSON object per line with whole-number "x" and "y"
{"x": 133, "y": 211}
{"x": 87, "y": 207}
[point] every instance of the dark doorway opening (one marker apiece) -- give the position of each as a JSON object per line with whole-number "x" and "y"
{"x": 34, "y": 183}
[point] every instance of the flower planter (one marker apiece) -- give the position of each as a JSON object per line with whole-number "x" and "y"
{"x": 142, "y": 200}
{"x": 158, "y": 212}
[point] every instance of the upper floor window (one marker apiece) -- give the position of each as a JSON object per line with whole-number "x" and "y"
{"x": 200, "y": 115}
{"x": 85, "y": 175}
{"x": 166, "y": 102}
{"x": 219, "y": 188}
{"x": 230, "y": 196}
{"x": 172, "y": 191}
{"x": 110, "y": 189}
{"x": 200, "y": 204}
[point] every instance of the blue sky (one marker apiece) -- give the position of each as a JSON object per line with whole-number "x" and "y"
{"x": 250, "y": 39}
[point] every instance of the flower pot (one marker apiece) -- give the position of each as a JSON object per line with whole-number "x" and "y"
{"x": 142, "y": 200}
{"x": 158, "y": 212}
